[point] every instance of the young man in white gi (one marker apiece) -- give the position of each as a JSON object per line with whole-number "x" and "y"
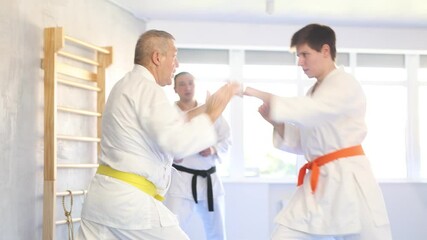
{"x": 339, "y": 197}
{"x": 196, "y": 186}
{"x": 141, "y": 135}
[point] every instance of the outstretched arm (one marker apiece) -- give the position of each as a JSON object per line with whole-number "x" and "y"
{"x": 216, "y": 103}
{"x": 264, "y": 109}
{"x": 264, "y": 96}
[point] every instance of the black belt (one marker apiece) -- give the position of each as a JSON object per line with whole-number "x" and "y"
{"x": 201, "y": 173}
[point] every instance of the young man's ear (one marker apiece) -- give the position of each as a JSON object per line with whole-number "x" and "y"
{"x": 326, "y": 50}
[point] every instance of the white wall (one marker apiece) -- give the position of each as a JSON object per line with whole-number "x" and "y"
{"x": 278, "y": 36}
{"x": 21, "y": 93}
{"x": 251, "y": 208}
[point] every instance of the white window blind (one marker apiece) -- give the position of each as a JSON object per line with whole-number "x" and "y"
{"x": 255, "y": 57}
{"x": 343, "y": 59}
{"x": 423, "y": 61}
{"x": 203, "y": 56}
{"x": 381, "y": 60}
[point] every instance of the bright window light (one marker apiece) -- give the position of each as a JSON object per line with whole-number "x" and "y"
{"x": 386, "y": 79}
{"x": 378, "y": 74}
{"x": 422, "y": 75}
{"x": 385, "y": 144}
{"x": 261, "y": 157}
{"x": 270, "y": 72}
{"x": 423, "y": 129}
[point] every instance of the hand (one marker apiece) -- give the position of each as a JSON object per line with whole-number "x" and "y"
{"x": 217, "y": 102}
{"x": 207, "y": 152}
{"x": 180, "y": 160}
{"x": 241, "y": 91}
{"x": 264, "y": 110}
{"x": 236, "y": 88}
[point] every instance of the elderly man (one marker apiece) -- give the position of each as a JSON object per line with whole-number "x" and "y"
{"x": 142, "y": 133}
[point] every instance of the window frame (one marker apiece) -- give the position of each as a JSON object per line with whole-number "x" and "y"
{"x": 349, "y": 58}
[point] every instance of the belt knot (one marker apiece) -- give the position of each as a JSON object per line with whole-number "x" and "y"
{"x": 204, "y": 174}
{"x": 315, "y": 165}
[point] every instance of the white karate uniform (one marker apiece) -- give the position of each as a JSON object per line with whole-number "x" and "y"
{"x": 179, "y": 198}
{"x": 141, "y": 132}
{"x": 348, "y": 200}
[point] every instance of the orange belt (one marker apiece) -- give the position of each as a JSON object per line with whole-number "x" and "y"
{"x": 320, "y": 161}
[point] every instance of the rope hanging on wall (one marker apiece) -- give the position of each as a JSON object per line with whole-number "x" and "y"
{"x": 67, "y": 213}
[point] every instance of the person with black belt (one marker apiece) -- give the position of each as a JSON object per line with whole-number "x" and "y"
{"x": 196, "y": 187}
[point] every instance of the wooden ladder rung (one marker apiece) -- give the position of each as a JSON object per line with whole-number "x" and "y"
{"x": 75, "y": 72}
{"x": 78, "y": 111}
{"x": 77, "y": 165}
{"x": 78, "y": 58}
{"x": 65, "y": 221}
{"x": 78, "y": 138}
{"x": 77, "y": 192}
{"x": 88, "y": 45}
{"x": 77, "y": 84}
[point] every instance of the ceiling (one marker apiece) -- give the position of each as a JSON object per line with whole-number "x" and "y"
{"x": 376, "y": 13}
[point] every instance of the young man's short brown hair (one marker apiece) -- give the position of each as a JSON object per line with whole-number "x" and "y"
{"x": 315, "y": 36}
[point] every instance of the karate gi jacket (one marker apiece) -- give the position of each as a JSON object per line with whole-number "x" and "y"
{"x": 141, "y": 133}
{"x": 329, "y": 119}
{"x": 181, "y": 181}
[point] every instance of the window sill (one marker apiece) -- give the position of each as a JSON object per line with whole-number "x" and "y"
{"x": 266, "y": 180}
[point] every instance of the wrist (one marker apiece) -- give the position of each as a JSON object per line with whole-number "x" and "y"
{"x": 213, "y": 150}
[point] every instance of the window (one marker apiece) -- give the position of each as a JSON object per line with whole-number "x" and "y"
{"x": 261, "y": 157}
{"x": 268, "y": 66}
{"x": 275, "y": 72}
{"x": 383, "y": 77}
{"x": 380, "y": 68}
{"x": 422, "y": 72}
{"x": 422, "y": 109}
{"x": 211, "y": 69}
{"x": 386, "y": 140}
{"x": 396, "y": 91}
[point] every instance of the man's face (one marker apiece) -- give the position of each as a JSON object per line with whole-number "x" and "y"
{"x": 184, "y": 87}
{"x": 168, "y": 65}
{"x": 311, "y": 61}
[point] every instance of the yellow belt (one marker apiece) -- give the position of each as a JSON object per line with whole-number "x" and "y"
{"x": 133, "y": 179}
